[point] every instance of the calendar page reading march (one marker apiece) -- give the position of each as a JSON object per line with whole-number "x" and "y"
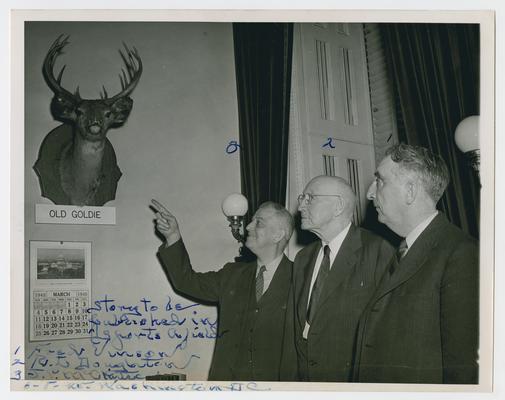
{"x": 60, "y": 290}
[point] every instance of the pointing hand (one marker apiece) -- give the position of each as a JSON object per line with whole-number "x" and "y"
{"x": 166, "y": 224}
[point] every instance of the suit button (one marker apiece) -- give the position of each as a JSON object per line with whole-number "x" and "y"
{"x": 256, "y": 310}
{"x": 312, "y": 363}
{"x": 368, "y": 345}
{"x": 251, "y": 330}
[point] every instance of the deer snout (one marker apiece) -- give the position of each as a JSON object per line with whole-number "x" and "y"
{"x": 95, "y": 124}
{"x": 95, "y": 129}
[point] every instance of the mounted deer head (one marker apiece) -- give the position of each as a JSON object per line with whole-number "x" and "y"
{"x": 84, "y": 156}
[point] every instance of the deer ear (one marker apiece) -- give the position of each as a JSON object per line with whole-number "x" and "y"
{"x": 63, "y": 108}
{"x": 121, "y": 109}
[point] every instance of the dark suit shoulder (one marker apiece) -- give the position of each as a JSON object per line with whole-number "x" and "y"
{"x": 286, "y": 263}
{"x": 447, "y": 237}
{"x": 234, "y": 268}
{"x": 458, "y": 251}
{"x": 374, "y": 246}
{"x": 307, "y": 250}
{"x": 455, "y": 234}
{"x": 376, "y": 252}
{"x": 370, "y": 237}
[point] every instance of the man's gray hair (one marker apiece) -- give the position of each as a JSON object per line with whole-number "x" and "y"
{"x": 285, "y": 218}
{"x": 429, "y": 167}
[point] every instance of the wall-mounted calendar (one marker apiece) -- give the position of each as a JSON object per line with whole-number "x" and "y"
{"x": 60, "y": 289}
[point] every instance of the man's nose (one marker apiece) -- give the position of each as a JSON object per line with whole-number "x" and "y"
{"x": 249, "y": 226}
{"x": 370, "y": 194}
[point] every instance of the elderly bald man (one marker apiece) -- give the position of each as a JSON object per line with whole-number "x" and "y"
{"x": 334, "y": 278}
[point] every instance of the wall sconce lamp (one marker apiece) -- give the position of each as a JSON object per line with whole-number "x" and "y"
{"x": 467, "y": 140}
{"x": 235, "y": 207}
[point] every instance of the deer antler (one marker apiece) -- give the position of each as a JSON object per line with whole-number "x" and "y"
{"x": 55, "y": 83}
{"x": 128, "y": 78}
{"x": 131, "y": 76}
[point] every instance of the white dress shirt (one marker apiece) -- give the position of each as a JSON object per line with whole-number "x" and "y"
{"x": 335, "y": 245}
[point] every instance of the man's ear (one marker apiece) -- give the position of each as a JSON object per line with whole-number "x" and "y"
{"x": 412, "y": 190}
{"x": 279, "y": 235}
{"x": 339, "y": 205}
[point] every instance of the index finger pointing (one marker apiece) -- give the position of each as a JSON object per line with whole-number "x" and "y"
{"x": 159, "y": 207}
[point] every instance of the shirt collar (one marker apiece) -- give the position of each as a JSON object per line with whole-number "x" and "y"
{"x": 270, "y": 267}
{"x": 416, "y": 232}
{"x": 336, "y": 242}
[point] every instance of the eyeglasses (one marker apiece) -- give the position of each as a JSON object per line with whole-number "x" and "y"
{"x": 308, "y": 197}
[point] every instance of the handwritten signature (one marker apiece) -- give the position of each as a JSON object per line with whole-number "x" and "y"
{"x": 124, "y": 343}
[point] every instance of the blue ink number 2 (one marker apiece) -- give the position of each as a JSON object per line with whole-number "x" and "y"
{"x": 329, "y": 143}
{"x": 232, "y": 147}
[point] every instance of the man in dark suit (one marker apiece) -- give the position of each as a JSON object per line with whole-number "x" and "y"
{"x": 421, "y": 325}
{"x": 334, "y": 279}
{"x": 255, "y": 328}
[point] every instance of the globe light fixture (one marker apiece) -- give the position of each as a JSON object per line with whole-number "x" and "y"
{"x": 234, "y": 206}
{"x": 467, "y": 140}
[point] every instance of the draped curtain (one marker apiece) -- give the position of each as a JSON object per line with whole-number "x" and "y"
{"x": 263, "y": 56}
{"x": 436, "y": 74}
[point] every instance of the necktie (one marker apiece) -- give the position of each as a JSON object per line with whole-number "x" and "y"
{"x": 317, "y": 289}
{"x": 260, "y": 282}
{"x": 402, "y": 249}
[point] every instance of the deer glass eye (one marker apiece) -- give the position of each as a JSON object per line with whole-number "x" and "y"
{"x": 107, "y": 114}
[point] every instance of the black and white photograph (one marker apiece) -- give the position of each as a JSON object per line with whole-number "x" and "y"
{"x": 275, "y": 201}
{"x": 60, "y": 264}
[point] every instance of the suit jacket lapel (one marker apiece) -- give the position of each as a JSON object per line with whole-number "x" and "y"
{"x": 415, "y": 257}
{"x": 342, "y": 265}
{"x": 306, "y": 275}
{"x": 344, "y": 262}
{"x": 279, "y": 286}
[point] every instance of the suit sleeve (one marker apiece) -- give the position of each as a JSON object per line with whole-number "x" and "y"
{"x": 204, "y": 286}
{"x": 459, "y": 318}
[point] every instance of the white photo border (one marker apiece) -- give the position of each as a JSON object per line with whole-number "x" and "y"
{"x": 485, "y": 18}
